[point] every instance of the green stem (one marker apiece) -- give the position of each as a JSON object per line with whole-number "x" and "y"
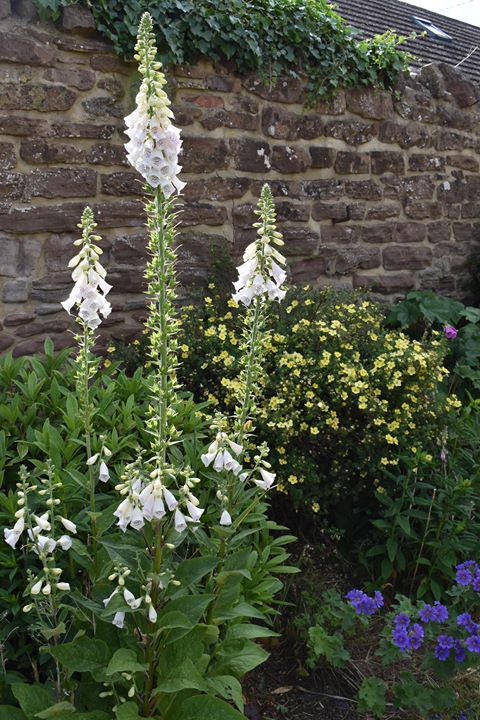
{"x": 242, "y": 416}
{"x": 87, "y": 420}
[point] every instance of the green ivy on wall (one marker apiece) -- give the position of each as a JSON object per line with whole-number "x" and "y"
{"x": 271, "y": 38}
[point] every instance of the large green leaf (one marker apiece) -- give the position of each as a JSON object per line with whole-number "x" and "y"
{"x": 192, "y": 570}
{"x": 201, "y": 707}
{"x": 182, "y": 677}
{"x": 10, "y": 712}
{"x": 82, "y": 655}
{"x": 124, "y": 660}
{"x": 31, "y": 698}
{"x": 238, "y": 657}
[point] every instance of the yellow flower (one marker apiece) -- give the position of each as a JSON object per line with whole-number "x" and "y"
{"x": 111, "y": 349}
{"x": 292, "y": 479}
{"x": 315, "y": 507}
{"x": 107, "y": 362}
{"x": 314, "y": 430}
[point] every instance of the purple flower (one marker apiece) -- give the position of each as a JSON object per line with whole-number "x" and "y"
{"x": 467, "y": 572}
{"x": 473, "y": 643}
{"x": 402, "y": 620}
{"x": 476, "y": 582}
{"x": 450, "y": 332}
{"x": 433, "y": 613}
{"x": 444, "y": 645}
{"x": 400, "y": 638}
{"x": 460, "y": 653}
{"x": 416, "y": 636}
{"x": 465, "y": 620}
{"x": 363, "y": 604}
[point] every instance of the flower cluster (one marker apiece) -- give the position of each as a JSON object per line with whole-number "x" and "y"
{"x": 363, "y": 604}
{"x": 468, "y": 574}
{"x": 437, "y": 613}
{"x": 90, "y": 288}
{"x": 155, "y": 143}
{"x": 120, "y": 574}
{"x": 262, "y": 272}
{"x": 148, "y": 498}
{"x": 405, "y": 634}
{"x": 40, "y": 533}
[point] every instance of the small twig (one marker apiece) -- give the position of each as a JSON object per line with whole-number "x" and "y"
{"x": 467, "y": 56}
{"x": 333, "y": 697}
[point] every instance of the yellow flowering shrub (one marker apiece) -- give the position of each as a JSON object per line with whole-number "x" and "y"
{"x": 343, "y": 396}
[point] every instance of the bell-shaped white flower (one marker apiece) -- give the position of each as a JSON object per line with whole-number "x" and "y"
{"x": 226, "y": 518}
{"x": 103, "y": 473}
{"x": 69, "y": 525}
{"x": 170, "y": 499}
{"x": 137, "y": 521}
{"x": 119, "y": 620}
{"x": 65, "y": 542}
{"x": 131, "y": 600}
{"x": 194, "y": 512}
{"x": 152, "y": 614}
{"x": 124, "y": 513}
{"x": 65, "y": 586}
{"x": 36, "y": 588}
{"x": 180, "y": 521}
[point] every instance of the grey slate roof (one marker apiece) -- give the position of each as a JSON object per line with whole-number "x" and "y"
{"x": 371, "y": 17}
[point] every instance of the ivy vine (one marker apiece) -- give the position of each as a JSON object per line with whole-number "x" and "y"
{"x": 271, "y": 38}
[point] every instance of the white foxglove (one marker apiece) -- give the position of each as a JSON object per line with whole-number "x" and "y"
{"x": 180, "y": 521}
{"x": 65, "y": 542}
{"x": 119, "y": 620}
{"x": 35, "y": 589}
{"x": 194, "y": 512}
{"x": 69, "y": 525}
{"x": 226, "y": 518}
{"x": 170, "y": 499}
{"x": 154, "y": 144}
{"x": 103, "y": 474}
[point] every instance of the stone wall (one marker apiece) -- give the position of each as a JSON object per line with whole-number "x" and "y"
{"x": 372, "y": 190}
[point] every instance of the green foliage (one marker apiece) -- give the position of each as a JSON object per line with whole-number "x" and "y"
{"x": 425, "y": 311}
{"x": 272, "y": 38}
{"x": 371, "y": 696}
{"x": 329, "y": 646}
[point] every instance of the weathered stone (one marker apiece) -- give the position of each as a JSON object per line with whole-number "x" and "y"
{"x": 322, "y": 157}
{"x": 353, "y": 132}
{"x": 25, "y": 9}
{"x": 420, "y": 210}
{"x": 202, "y": 214}
{"x": 6, "y": 341}
{"x": 285, "y": 90}
{"x": 226, "y": 118}
{"x": 35, "y": 346}
{"x": 63, "y": 182}
{"x": 291, "y": 212}
{"x": 348, "y": 163}
{"x": 81, "y": 130}
{"x": 366, "y": 189}
{"x": 5, "y": 9}
{"x": 78, "y": 19}
{"x": 223, "y": 84}
{"x": 406, "y": 257}
{"x": 15, "y": 291}
{"x": 290, "y": 159}
{"x": 203, "y": 155}
{"x": 9, "y": 252}
{"x": 465, "y": 91}
{"x": 333, "y": 106}
{"x": 216, "y": 189}
{"x": 377, "y": 234}
{"x": 455, "y": 118}
{"x": 309, "y": 270}
{"x": 329, "y": 211}
{"x": 332, "y": 234}
{"x": 207, "y": 101}
{"x": 350, "y": 259}
{"x": 415, "y": 187}
{"x": 18, "y": 318}
{"x": 103, "y": 107}
{"x": 385, "y": 284}
{"x": 317, "y": 189}
{"x": 472, "y": 186}
{"x": 12, "y": 185}
{"x": 251, "y": 155}
{"x": 464, "y": 162}
{"x": 45, "y": 98}
{"x": 72, "y": 77}
{"x": 122, "y": 183}
{"x": 414, "y": 105}
{"x": 16, "y": 125}
{"x": 130, "y": 250}
{"x": 471, "y": 210}
{"x": 356, "y": 211}
{"x": 107, "y": 154}
{"x": 110, "y": 64}
{"x": 408, "y": 232}
{"x": 464, "y": 232}
{"x": 387, "y": 161}
{"x": 39, "y": 152}
{"x": 186, "y": 114}
{"x": 15, "y": 48}
{"x": 452, "y": 211}
{"x": 55, "y": 325}
{"x": 299, "y": 240}
{"x": 449, "y": 140}
{"x": 432, "y": 78}
{"x": 64, "y": 217}
{"x": 425, "y": 163}
{"x": 383, "y": 212}
{"x": 369, "y": 103}
{"x": 113, "y": 86}
{"x": 452, "y": 191}
{"x": 410, "y": 135}
{"x": 439, "y": 231}
{"x": 285, "y": 125}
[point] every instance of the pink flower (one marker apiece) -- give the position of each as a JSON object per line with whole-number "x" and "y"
{"x": 450, "y": 332}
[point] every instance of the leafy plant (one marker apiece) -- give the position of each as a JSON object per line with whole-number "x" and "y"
{"x": 273, "y": 38}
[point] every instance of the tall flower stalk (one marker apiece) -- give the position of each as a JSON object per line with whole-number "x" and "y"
{"x": 88, "y": 295}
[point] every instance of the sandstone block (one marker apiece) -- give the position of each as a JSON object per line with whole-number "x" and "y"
{"x": 387, "y": 161}
{"x": 464, "y": 162}
{"x": 409, "y": 135}
{"x": 15, "y": 48}
{"x": 322, "y": 157}
{"x": 251, "y": 155}
{"x": 406, "y": 257}
{"x": 408, "y": 232}
{"x": 103, "y": 107}
{"x": 30, "y": 96}
{"x": 216, "y": 189}
{"x": 385, "y": 284}
{"x": 81, "y": 130}
{"x": 350, "y": 259}
{"x": 107, "y": 154}
{"x": 299, "y": 240}
{"x": 290, "y": 159}
{"x": 333, "y": 234}
{"x": 63, "y": 183}
{"x": 347, "y": 163}
{"x": 383, "y": 212}
{"x": 9, "y": 252}
{"x": 418, "y": 162}
{"x": 285, "y": 90}
{"x": 6, "y": 341}
{"x": 452, "y": 191}
{"x": 317, "y": 189}
{"x": 207, "y": 101}
{"x": 78, "y": 19}
{"x": 370, "y": 103}
{"x": 71, "y": 77}
{"x": 203, "y": 155}
{"x": 364, "y": 189}
{"x": 227, "y": 118}
{"x": 110, "y": 63}
{"x": 202, "y": 214}
{"x": 40, "y": 152}
{"x": 122, "y": 183}
{"x": 130, "y": 249}
{"x": 12, "y": 185}
{"x": 351, "y": 131}
{"x": 18, "y": 318}
{"x": 421, "y": 210}
{"x": 330, "y": 211}
{"x": 15, "y": 291}
{"x": 310, "y": 269}
{"x": 113, "y": 86}
{"x": 465, "y": 91}
{"x": 414, "y": 187}
{"x": 377, "y": 233}
{"x": 5, "y": 9}
{"x": 439, "y": 231}
{"x": 17, "y": 125}
{"x": 471, "y": 210}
